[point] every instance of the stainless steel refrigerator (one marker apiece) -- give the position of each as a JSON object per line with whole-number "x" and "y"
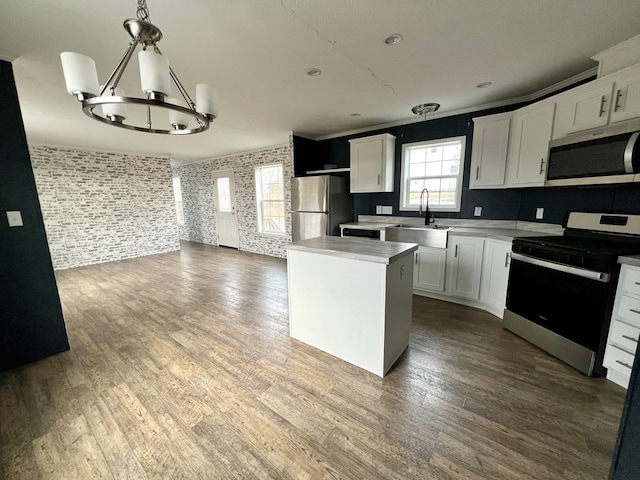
{"x": 319, "y": 204}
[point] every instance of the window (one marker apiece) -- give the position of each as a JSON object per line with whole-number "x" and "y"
{"x": 437, "y": 166}
{"x": 177, "y": 195}
{"x": 270, "y": 196}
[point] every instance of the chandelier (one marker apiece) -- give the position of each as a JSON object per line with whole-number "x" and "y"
{"x": 157, "y": 112}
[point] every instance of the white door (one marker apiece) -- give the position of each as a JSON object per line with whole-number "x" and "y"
{"x": 225, "y": 208}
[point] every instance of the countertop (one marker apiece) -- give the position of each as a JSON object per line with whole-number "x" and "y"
{"x": 506, "y": 234}
{"x": 368, "y": 225}
{"x": 355, "y": 248}
{"x": 633, "y": 260}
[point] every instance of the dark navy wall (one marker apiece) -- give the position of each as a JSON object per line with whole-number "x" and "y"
{"x": 497, "y": 204}
{"x": 31, "y": 322}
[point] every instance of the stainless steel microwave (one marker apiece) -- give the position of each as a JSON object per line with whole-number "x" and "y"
{"x": 605, "y": 155}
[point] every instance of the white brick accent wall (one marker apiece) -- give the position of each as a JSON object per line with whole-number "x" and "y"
{"x": 199, "y": 201}
{"x": 102, "y": 206}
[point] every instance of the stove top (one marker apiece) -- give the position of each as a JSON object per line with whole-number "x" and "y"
{"x": 593, "y": 241}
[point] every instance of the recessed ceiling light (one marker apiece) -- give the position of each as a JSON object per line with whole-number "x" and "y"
{"x": 355, "y": 115}
{"x": 483, "y": 85}
{"x": 314, "y": 72}
{"x": 393, "y": 39}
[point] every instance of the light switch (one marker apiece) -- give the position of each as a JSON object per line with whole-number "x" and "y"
{"x": 378, "y": 209}
{"x": 539, "y": 213}
{"x": 477, "y": 211}
{"x": 15, "y": 218}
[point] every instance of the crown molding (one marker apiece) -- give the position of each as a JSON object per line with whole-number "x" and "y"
{"x": 592, "y": 72}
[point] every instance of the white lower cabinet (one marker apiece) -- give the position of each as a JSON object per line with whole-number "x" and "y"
{"x": 495, "y": 276}
{"x": 625, "y": 327}
{"x": 429, "y": 269}
{"x": 464, "y": 264}
{"x": 471, "y": 271}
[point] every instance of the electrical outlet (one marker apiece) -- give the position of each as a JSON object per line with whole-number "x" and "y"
{"x": 539, "y": 213}
{"x": 378, "y": 209}
{"x": 477, "y": 211}
{"x": 387, "y": 210}
{"x": 14, "y": 218}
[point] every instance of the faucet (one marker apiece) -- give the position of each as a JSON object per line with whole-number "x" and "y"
{"x": 427, "y": 219}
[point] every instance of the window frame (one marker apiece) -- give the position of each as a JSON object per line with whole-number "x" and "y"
{"x": 259, "y": 201}
{"x": 405, "y": 179}
{"x": 177, "y": 199}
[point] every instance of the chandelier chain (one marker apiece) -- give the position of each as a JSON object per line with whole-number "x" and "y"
{"x": 143, "y": 12}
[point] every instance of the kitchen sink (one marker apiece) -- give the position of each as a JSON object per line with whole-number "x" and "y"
{"x": 424, "y": 235}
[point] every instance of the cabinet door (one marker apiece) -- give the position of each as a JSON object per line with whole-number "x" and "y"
{"x": 489, "y": 151}
{"x": 529, "y": 145}
{"x": 588, "y": 107}
{"x": 465, "y": 260}
{"x": 495, "y": 275}
{"x": 626, "y": 98}
{"x": 372, "y": 163}
{"x": 429, "y": 268}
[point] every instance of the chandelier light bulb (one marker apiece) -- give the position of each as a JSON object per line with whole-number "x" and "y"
{"x": 154, "y": 73}
{"x": 80, "y": 74}
{"x": 177, "y": 119}
{"x": 206, "y": 100}
{"x": 116, "y": 112}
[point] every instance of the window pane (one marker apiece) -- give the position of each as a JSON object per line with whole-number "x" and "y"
{"x": 224, "y": 194}
{"x": 436, "y": 166}
{"x": 270, "y": 195}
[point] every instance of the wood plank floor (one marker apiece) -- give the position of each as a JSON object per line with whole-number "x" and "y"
{"x": 181, "y": 367}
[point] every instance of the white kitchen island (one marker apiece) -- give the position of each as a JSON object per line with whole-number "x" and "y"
{"x": 352, "y": 298}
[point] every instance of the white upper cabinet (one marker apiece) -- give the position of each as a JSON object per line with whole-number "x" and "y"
{"x": 531, "y": 129}
{"x": 609, "y": 99}
{"x": 489, "y": 150}
{"x": 626, "y": 96}
{"x": 582, "y": 108}
{"x": 372, "y": 163}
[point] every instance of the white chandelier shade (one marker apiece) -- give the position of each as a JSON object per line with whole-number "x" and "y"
{"x": 156, "y": 78}
{"x": 115, "y": 111}
{"x": 80, "y": 74}
{"x": 154, "y": 73}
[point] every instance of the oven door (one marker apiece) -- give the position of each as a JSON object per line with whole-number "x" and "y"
{"x": 569, "y": 301}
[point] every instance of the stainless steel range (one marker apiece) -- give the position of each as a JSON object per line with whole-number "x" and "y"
{"x": 561, "y": 288}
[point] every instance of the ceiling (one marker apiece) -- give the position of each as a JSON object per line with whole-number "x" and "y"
{"x": 256, "y": 53}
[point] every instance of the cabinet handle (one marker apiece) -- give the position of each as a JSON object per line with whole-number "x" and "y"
{"x": 634, "y": 311}
{"x": 630, "y": 338}
{"x": 542, "y": 162}
{"x": 378, "y": 179}
{"x": 417, "y": 257}
{"x": 624, "y": 364}
{"x": 455, "y": 254}
{"x": 603, "y": 99}
{"x": 477, "y": 173}
{"x": 506, "y": 259}
{"x": 617, "y": 106}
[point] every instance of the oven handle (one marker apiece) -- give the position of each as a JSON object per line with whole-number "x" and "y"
{"x": 580, "y": 272}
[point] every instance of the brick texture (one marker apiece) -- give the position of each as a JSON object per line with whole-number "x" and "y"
{"x": 103, "y": 206}
{"x": 199, "y": 200}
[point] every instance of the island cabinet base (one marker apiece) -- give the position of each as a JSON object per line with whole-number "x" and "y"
{"x": 358, "y": 311}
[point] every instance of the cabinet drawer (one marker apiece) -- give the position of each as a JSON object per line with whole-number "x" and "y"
{"x": 624, "y": 336}
{"x": 618, "y": 359}
{"x": 630, "y": 280}
{"x": 628, "y": 308}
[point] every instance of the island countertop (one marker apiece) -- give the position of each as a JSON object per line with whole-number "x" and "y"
{"x": 355, "y": 248}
